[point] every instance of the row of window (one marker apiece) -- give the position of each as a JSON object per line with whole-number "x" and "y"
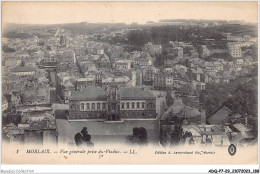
{"x": 102, "y": 116}
{"x": 136, "y": 105}
{"x": 121, "y": 66}
{"x": 102, "y": 106}
{"x": 92, "y": 106}
{"x": 136, "y": 115}
{"x": 210, "y": 69}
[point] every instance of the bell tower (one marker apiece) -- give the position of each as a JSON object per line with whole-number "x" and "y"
{"x": 113, "y": 102}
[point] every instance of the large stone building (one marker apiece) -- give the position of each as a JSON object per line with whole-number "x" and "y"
{"x": 110, "y": 114}
{"x": 234, "y": 50}
{"x": 159, "y": 81}
{"x": 50, "y": 60}
{"x": 178, "y": 51}
{"x": 112, "y": 103}
{"x": 123, "y": 65}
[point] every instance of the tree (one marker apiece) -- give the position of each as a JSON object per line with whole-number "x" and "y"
{"x": 83, "y": 138}
{"x": 139, "y": 136}
{"x": 238, "y": 95}
{"x": 142, "y": 135}
{"x": 169, "y": 100}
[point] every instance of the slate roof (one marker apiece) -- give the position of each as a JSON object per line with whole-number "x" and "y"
{"x": 11, "y": 129}
{"x": 97, "y": 93}
{"x": 43, "y": 124}
{"x": 220, "y": 115}
{"x": 90, "y": 93}
{"x": 135, "y": 93}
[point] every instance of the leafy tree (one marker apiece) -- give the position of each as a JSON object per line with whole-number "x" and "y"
{"x": 169, "y": 100}
{"x": 239, "y": 95}
{"x": 139, "y": 136}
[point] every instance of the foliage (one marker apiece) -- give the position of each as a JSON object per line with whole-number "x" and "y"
{"x": 169, "y": 100}
{"x": 17, "y": 35}
{"x": 164, "y": 34}
{"x": 252, "y": 51}
{"x": 239, "y": 95}
{"x": 7, "y": 49}
{"x": 139, "y": 136}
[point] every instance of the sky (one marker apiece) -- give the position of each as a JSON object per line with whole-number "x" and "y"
{"x": 124, "y": 12}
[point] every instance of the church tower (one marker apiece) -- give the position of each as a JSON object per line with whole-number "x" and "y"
{"x": 113, "y": 102}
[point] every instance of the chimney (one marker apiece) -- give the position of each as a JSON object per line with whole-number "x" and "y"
{"x": 203, "y": 116}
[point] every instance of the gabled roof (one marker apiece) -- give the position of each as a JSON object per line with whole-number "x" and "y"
{"x": 221, "y": 115}
{"x": 11, "y": 129}
{"x": 43, "y": 124}
{"x": 135, "y": 93}
{"x": 68, "y": 84}
{"x": 90, "y": 93}
{"x": 97, "y": 93}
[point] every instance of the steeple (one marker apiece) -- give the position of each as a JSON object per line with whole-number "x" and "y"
{"x": 113, "y": 102}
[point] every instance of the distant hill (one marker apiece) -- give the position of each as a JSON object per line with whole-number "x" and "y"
{"x": 74, "y": 28}
{"x": 237, "y": 29}
{"x": 14, "y": 30}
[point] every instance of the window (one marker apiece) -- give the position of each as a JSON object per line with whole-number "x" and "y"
{"x": 93, "y": 106}
{"x": 138, "y": 105}
{"x": 127, "y": 105}
{"x": 88, "y": 106}
{"x": 103, "y": 106}
{"x": 82, "y": 107}
{"x": 113, "y": 107}
{"x": 123, "y": 105}
{"x": 142, "y": 105}
{"x": 133, "y": 105}
{"x": 98, "y": 106}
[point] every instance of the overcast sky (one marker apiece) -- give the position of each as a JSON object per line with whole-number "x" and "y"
{"x": 124, "y": 12}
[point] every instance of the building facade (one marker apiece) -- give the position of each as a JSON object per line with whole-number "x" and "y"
{"x": 160, "y": 81}
{"x": 235, "y": 50}
{"x": 112, "y": 103}
{"x": 123, "y": 65}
